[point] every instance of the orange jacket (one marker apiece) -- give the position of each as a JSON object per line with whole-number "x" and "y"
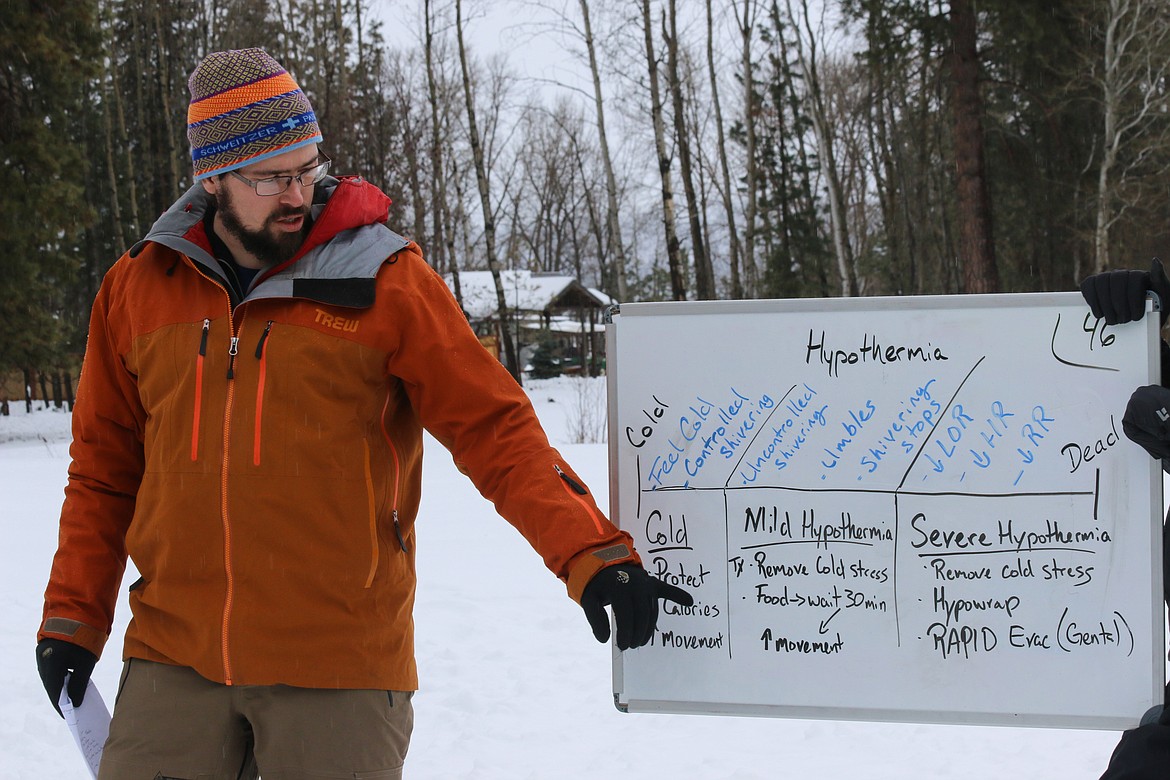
{"x": 260, "y": 461}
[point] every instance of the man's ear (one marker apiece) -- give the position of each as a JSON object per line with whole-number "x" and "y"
{"x": 209, "y": 185}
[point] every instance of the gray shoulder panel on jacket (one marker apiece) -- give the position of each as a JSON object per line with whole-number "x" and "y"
{"x": 340, "y": 273}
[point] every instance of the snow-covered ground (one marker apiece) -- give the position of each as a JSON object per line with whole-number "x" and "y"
{"x": 513, "y": 684}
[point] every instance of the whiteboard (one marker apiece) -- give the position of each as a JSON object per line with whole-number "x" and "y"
{"x": 915, "y": 509}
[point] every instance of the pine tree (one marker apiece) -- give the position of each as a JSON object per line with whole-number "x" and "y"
{"x": 49, "y": 51}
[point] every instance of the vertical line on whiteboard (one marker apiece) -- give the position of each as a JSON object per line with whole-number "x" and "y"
{"x": 1096, "y": 494}
{"x": 727, "y": 565}
{"x": 638, "y": 467}
{"x": 897, "y": 527}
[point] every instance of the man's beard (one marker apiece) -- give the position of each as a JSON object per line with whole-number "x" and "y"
{"x": 270, "y": 248}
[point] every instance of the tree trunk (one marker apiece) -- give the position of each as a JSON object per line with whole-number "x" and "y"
{"x": 976, "y": 239}
{"x": 449, "y": 219}
{"x": 489, "y": 223}
{"x": 404, "y": 101}
{"x": 55, "y": 381}
{"x": 724, "y": 169}
{"x": 885, "y": 175}
{"x": 438, "y": 186}
{"x": 704, "y": 274}
{"x": 129, "y": 160}
{"x": 458, "y": 220}
{"x": 821, "y": 129}
{"x": 111, "y": 166}
{"x": 342, "y": 119}
{"x": 592, "y": 210}
{"x": 1136, "y": 135}
{"x": 44, "y": 390}
{"x": 746, "y": 21}
{"x": 357, "y": 10}
{"x": 164, "y": 82}
{"x": 1111, "y": 140}
{"x": 678, "y": 287}
{"x": 139, "y": 66}
{"x": 612, "y": 225}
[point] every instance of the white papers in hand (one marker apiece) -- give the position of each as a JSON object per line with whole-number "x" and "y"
{"x": 89, "y": 723}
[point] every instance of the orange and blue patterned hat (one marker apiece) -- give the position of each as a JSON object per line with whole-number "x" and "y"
{"x": 244, "y": 108}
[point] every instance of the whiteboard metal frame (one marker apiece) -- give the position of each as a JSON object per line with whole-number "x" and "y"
{"x": 1157, "y": 615}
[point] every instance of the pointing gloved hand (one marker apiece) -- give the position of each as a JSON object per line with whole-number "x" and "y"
{"x": 634, "y": 595}
{"x": 1147, "y": 420}
{"x": 1120, "y": 296}
{"x": 55, "y": 659}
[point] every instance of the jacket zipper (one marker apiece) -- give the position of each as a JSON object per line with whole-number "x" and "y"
{"x": 372, "y": 514}
{"x": 397, "y": 477}
{"x": 233, "y": 350}
{"x": 199, "y": 390}
{"x": 229, "y": 596}
{"x": 262, "y": 356}
{"x": 576, "y": 490}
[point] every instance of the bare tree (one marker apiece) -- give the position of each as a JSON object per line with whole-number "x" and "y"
{"x": 678, "y": 285}
{"x": 899, "y": 232}
{"x": 746, "y": 13}
{"x": 399, "y": 83}
{"x": 108, "y": 131}
{"x": 583, "y": 212}
{"x": 489, "y": 224}
{"x": 545, "y": 206}
{"x": 807, "y": 42}
{"x": 704, "y": 274}
{"x": 612, "y": 223}
{"x": 1130, "y": 73}
{"x": 341, "y": 108}
{"x": 699, "y": 120}
{"x": 847, "y": 97}
{"x": 737, "y": 291}
{"x": 164, "y": 79}
{"x": 438, "y": 185}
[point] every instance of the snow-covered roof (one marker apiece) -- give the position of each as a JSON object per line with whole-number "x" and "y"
{"x": 523, "y": 291}
{"x": 601, "y": 297}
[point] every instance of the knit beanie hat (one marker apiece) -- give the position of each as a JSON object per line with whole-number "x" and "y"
{"x": 244, "y": 108}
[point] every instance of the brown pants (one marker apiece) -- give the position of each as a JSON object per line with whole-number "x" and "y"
{"x": 169, "y": 722}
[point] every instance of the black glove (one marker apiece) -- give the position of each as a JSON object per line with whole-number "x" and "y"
{"x": 55, "y": 659}
{"x": 1147, "y": 420}
{"x": 1142, "y": 754}
{"x": 1120, "y": 296}
{"x": 634, "y": 596}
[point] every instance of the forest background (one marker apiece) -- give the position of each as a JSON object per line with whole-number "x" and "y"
{"x": 711, "y": 149}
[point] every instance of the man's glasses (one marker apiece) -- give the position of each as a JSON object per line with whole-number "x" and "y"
{"x": 275, "y": 185}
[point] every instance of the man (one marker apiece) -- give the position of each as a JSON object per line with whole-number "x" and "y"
{"x": 1118, "y": 297}
{"x": 248, "y": 429}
